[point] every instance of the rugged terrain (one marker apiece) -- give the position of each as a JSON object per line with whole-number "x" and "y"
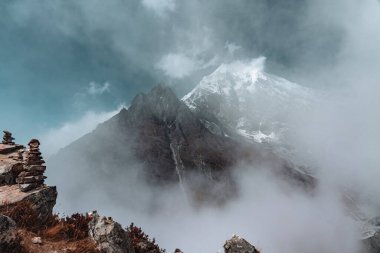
{"x": 163, "y": 141}
{"x": 28, "y": 225}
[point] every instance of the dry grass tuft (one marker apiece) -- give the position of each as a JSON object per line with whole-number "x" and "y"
{"x": 71, "y": 228}
{"x": 85, "y": 246}
{"x": 23, "y": 214}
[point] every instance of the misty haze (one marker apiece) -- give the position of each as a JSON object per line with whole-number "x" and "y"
{"x": 151, "y": 126}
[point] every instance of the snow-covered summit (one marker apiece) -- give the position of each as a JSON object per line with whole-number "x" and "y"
{"x": 249, "y": 100}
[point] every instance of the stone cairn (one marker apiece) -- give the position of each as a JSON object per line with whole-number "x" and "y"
{"x": 7, "y": 138}
{"x": 33, "y": 174}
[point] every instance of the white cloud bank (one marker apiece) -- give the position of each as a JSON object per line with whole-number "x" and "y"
{"x": 177, "y": 65}
{"x": 62, "y": 136}
{"x": 98, "y": 89}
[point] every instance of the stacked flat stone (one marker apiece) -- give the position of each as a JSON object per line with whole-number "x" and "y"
{"x": 7, "y": 138}
{"x": 19, "y": 155}
{"x": 33, "y": 174}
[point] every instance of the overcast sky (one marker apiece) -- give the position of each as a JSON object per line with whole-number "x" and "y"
{"x": 61, "y": 60}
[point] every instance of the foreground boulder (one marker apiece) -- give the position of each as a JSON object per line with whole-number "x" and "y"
{"x": 42, "y": 199}
{"x": 109, "y": 235}
{"x": 239, "y": 245}
{"x": 8, "y": 234}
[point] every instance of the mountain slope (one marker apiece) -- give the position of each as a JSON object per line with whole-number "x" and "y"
{"x": 248, "y": 101}
{"x": 160, "y": 140}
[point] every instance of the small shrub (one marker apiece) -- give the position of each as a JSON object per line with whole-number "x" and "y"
{"x": 141, "y": 242}
{"x": 85, "y": 246}
{"x": 71, "y": 228}
{"x": 23, "y": 214}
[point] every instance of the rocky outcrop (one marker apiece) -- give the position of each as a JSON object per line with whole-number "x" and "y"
{"x": 9, "y": 240}
{"x": 109, "y": 235}
{"x": 239, "y": 245}
{"x": 42, "y": 199}
{"x": 22, "y": 179}
{"x": 11, "y": 160}
{"x": 372, "y": 243}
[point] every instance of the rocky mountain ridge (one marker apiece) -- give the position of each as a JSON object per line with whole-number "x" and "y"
{"x": 28, "y": 225}
{"x": 163, "y": 141}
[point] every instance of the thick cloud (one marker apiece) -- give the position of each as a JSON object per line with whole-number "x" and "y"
{"x": 52, "y": 48}
{"x": 160, "y": 6}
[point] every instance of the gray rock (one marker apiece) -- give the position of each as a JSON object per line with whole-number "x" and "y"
{"x": 109, "y": 235}
{"x": 27, "y": 187}
{"x": 8, "y": 234}
{"x": 375, "y": 221}
{"x": 43, "y": 200}
{"x": 8, "y": 171}
{"x": 37, "y": 240}
{"x": 238, "y": 245}
{"x": 372, "y": 242}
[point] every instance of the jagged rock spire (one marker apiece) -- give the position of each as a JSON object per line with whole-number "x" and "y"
{"x": 7, "y": 138}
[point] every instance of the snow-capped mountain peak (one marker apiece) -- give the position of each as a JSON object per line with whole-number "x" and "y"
{"x": 233, "y": 76}
{"x": 244, "y": 97}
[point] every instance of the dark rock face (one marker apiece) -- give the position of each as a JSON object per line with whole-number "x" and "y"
{"x": 162, "y": 139}
{"x": 171, "y": 140}
{"x": 8, "y": 234}
{"x": 109, "y": 235}
{"x": 238, "y": 245}
{"x": 372, "y": 242}
{"x": 43, "y": 200}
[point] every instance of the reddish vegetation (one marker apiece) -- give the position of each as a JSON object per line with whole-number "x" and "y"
{"x": 49, "y": 246}
{"x": 141, "y": 242}
{"x": 69, "y": 233}
{"x": 23, "y": 213}
{"x": 72, "y": 228}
